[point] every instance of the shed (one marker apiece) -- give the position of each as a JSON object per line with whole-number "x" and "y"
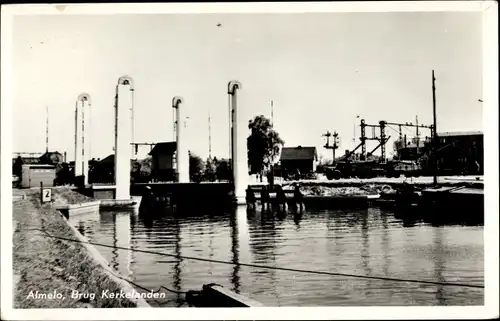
{"x": 163, "y": 160}
{"x": 299, "y": 158}
{"x": 33, "y": 175}
{"x": 103, "y": 171}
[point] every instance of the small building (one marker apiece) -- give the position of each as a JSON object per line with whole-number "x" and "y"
{"x": 163, "y": 160}
{"x": 33, "y": 175}
{"x": 103, "y": 171}
{"x": 461, "y": 152}
{"x": 300, "y": 158}
{"x": 26, "y": 160}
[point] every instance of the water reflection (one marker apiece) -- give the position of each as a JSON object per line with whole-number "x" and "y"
{"x": 296, "y": 219}
{"x": 365, "y": 249}
{"x": 368, "y": 242}
{"x": 177, "y": 266}
{"x": 439, "y": 265}
{"x": 235, "y": 279}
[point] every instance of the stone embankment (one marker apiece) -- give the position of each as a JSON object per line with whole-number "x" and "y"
{"x": 346, "y": 190}
{"x": 47, "y": 271}
{"x": 379, "y": 185}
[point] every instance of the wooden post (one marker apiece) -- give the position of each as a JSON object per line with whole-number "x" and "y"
{"x": 435, "y": 140}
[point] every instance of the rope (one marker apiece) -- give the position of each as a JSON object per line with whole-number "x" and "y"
{"x": 275, "y": 268}
{"x": 121, "y": 277}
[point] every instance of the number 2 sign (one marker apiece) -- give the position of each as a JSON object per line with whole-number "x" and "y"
{"x": 46, "y": 195}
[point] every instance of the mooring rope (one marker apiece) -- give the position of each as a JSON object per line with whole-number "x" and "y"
{"x": 119, "y": 276}
{"x": 380, "y": 278}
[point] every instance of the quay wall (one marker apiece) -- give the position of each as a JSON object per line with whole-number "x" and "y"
{"x": 53, "y": 266}
{"x": 393, "y": 182}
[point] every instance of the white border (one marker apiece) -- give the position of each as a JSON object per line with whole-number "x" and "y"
{"x": 490, "y": 67}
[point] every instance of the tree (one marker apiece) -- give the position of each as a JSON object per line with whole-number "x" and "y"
{"x": 196, "y": 167}
{"x": 210, "y": 169}
{"x": 146, "y": 165}
{"x": 223, "y": 170}
{"x": 263, "y": 144}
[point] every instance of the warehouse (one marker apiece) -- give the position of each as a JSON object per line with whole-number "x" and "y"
{"x": 461, "y": 153}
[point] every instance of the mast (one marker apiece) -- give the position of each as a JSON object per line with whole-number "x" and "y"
{"x": 418, "y": 134}
{"x": 209, "y": 137}
{"x": 435, "y": 141}
{"x": 47, "y": 129}
{"x": 272, "y": 146}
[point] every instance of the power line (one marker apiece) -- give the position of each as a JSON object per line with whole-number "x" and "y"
{"x": 274, "y": 268}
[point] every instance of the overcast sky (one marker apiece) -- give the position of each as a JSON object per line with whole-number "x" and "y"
{"x": 321, "y": 70}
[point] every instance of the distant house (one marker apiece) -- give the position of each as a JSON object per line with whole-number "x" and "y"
{"x": 299, "y": 158}
{"x": 461, "y": 152}
{"x": 27, "y": 160}
{"x": 103, "y": 171}
{"x": 52, "y": 158}
{"x": 163, "y": 160}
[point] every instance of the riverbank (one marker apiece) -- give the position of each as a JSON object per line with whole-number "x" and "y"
{"x": 379, "y": 182}
{"x": 47, "y": 270}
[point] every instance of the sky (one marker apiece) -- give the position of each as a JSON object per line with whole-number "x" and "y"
{"x": 320, "y": 69}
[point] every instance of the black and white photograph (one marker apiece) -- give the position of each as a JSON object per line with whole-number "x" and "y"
{"x": 250, "y": 155}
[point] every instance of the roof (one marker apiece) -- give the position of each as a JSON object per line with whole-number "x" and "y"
{"x": 110, "y": 160}
{"x": 447, "y": 134}
{"x": 53, "y": 157}
{"x": 298, "y": 153}
{"x": 30, "y": 160}
{"x": 164, "y": 148}
{"x": 38, "y": 166}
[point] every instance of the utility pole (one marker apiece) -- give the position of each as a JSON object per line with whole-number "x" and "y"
{"x": 47, "y": 129}
{"x": 435, "y": 140}
{"x": 418, "y": 134}
{"x": 271, "y": 167}
{"x": 335, "y": 145}
{"x": 272, "y": 113}
{"x": 132, "y": 120}
{"x": 209, "y": 137}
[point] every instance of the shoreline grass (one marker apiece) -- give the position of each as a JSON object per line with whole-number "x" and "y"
{"x": 46, "y": 265}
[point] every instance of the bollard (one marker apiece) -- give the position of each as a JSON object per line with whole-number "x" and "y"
{"x": 298, "y": 198}
{"x": 281, "y": 199}
{"x": 264, "y": 198}
{"x": 250, "y": 198}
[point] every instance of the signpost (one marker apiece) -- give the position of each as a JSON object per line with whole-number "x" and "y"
{"x": 45, "y": 194}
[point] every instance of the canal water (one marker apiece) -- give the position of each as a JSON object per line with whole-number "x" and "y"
{"x": 364, "y": 242}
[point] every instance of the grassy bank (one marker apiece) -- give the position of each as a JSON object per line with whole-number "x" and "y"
{"x": 45, "y": 264}
{"x": 66, "y": 195}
